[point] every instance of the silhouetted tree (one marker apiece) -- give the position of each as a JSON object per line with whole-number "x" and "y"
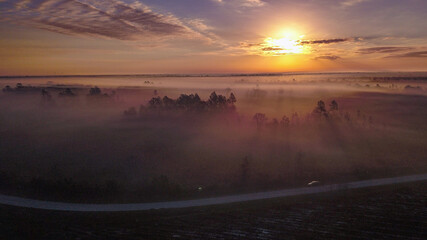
{"x": 168, "y": 103}
{"x": 333, "y": 106}
{"x": 66, "y": 93}
{"x": 7, "y": 89}
{"x": 260, "y": 119}
{"x": 46, "y": 95}
{"x": 217, "y": 101}
{"x": 295, "y": 118}
{"x": 95, "y": 91}
{"x": 188, "y": 102}
{"x": 285, "y": 121}
{"x": 193, "y": 102}
{"x": 274, "y": 123}
{"x": 155, "y": 102}
{"x": 320, "y": 110}
{"x": 321, "y": 106}
{"x": 222, "y": 101}
{"x": 232, "y": 99}
{"x": 213, "y": 99}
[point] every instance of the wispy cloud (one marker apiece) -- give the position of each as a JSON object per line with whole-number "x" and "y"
{"x": 111, "y": 19}
{"x": 416, "y": 54}
{"x": 242, "y": 3}
{"x": 328, "y": 57}
{"x": 383, "y": 50}
{"x": 253, "y": 3}
{"x": 326, "y": 41}
{"x": 350, "y": 3}
{"x": 277, "y": 47}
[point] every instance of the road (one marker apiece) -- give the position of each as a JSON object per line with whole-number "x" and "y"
{"x": 77, "y": 207}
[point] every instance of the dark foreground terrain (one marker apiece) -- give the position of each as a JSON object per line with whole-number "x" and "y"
{"x": 392, "y": 212}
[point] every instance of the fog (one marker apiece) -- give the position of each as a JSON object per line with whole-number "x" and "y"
{"x": 64, "y": 138}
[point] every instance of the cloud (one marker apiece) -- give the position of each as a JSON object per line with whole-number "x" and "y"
{"x": 273, "y": 47}
{"x": 270, "y": 49}
{"x": 111, "y": 19}
{"x": 417, "y": 54}
{"x": 242, "y": 3}
{"x": 327, "y": 57}
{"x": 252, "y": 3}
{"x": 383, "y": 50}
{"x": 325, "y": 41}
{"x": 350, "y": 3}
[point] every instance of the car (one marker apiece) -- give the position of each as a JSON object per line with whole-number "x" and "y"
{"x": 313, "y": 183}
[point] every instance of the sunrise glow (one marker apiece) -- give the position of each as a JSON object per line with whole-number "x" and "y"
{"x": 283, "y": 46}
{"x": 147, "y": 36}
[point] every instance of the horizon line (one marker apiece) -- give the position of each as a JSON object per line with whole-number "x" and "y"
{"x": 201, "y": 74}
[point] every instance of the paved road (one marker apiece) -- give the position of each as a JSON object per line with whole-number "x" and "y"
{"x": 60, "y": 206}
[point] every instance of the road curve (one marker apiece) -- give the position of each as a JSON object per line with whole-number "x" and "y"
{"x": 77, "y": 207}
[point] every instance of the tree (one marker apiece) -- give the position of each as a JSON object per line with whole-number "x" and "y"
{"x": 333, "y": 106}
{"x": 95, "y": 91}
{"x": 232, "y": 99}
{"x": 7, "y": 89}
{"x": 213, "y": 99}
{"x": 197, "y": 98}
{"x": 295, "y": 118}
{"x": 46, "y": 94}
{"x": 155, "y": 102}
{"x": 66, "y": 93}
{"x": 285, "y": 121}
{"x": 321, "y": 106}
{"x": 320, "y": 110}
{"x": 274, "y": 123}
{"x": 260, "y": 119}
{"x": 168, "y": 102}
{"x": 222, "y": 101}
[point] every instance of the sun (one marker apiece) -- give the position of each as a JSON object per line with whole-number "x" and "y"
{"x": 288, "y": 43}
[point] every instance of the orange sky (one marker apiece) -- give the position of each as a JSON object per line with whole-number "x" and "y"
{"x": 188, "y": 36}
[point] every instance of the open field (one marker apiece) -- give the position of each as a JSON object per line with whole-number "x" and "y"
{"x": 90, "y": 146}
{"x": 79, "y": 207}
{"x": 390, "y": 212}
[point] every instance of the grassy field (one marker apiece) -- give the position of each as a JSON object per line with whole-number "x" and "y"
{"x": 392, "y": 212}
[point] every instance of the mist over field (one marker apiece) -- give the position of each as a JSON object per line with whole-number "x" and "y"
{"x": 119, "y": 138}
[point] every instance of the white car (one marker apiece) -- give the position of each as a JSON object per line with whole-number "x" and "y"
{"x": 313, "y": 183}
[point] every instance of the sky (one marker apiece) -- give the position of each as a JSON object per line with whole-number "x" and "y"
{"x": 69, "y": 37}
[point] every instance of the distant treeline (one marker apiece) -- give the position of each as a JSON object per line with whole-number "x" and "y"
{"x": 319, "y": 113}
{"x": 407, "y": 78}
{"x": 191, "y": 102}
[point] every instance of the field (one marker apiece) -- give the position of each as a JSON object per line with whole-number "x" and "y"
{"x": 392, "y": 212}
{"x": 63, "y": 140}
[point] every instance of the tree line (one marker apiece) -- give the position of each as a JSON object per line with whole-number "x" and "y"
{"x": 187, "y": 102}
